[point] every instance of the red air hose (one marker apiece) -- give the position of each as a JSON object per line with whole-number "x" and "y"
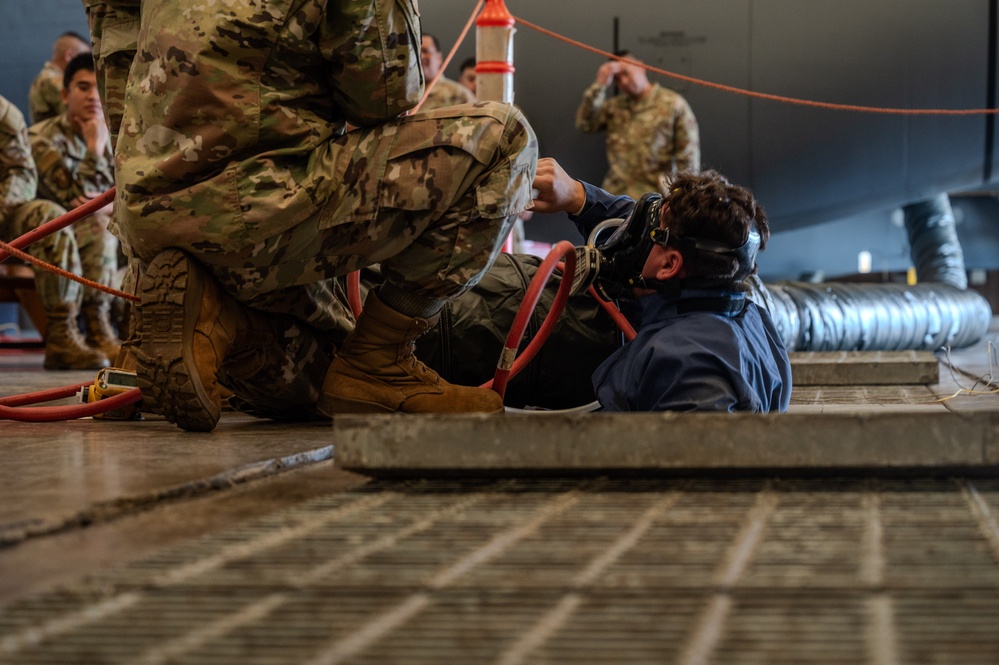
{"x": 42, "y": 395}
{"x": 354, "y": 293}
{"x": 507, "y": 367}
{"x": 44, "y": 414}
{"x": 622, "y": 322}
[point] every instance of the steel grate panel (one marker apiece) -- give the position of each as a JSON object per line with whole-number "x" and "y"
{"x": 869, "y": 395}
{"x": 623, "y": 626}
{"x": 796, "y": 628}
{"x": 820, "y": 570}
{"x": 969, "y": 635}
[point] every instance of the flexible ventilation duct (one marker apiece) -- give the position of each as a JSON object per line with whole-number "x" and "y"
{"x": 935, "y": 313}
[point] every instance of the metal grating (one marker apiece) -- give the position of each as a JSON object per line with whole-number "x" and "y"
{"x": 875, "y": 395}
{"x": 749, "y": 570}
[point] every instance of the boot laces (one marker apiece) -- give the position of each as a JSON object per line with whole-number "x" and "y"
{"x": 414, "y": 362}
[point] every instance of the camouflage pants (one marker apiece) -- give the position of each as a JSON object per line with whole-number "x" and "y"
{"x": 434, "y": 222}
{"x": 86, "y": 249}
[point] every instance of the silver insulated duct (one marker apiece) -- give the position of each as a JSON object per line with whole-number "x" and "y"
{"x": 935, "y": 313}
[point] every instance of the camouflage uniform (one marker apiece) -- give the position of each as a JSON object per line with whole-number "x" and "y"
{"x": 20, "y": 213}
{"x": 645, "y": 137}
{"x": 232, "y": 147}
{"x": 114, "y": 29}
{"x": 66, "y": 170}
{"x": 45, "y": 95}
{"x": 447, "y": 93}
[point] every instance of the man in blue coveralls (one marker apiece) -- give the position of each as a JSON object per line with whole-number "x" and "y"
{"x": 702, "y": 345}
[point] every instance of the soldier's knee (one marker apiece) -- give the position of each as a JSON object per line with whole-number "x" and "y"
{"x": 35, "y": 213}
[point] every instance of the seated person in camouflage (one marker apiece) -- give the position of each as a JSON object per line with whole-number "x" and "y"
{"x": 467, "y": 76}
{"x": 45, "y": 96}
{"x": 21, "y": 213}
{"x": 702, "y": 345}
{"x": 75, "y": 164}
{"x": 650, "y": 130}
{"x": 446, "y": 92}
{"x": 243, "y": 202}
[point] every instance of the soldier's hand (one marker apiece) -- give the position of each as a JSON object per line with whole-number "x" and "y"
{"x": 95, "y": 133}
{"x": 557, "y": 191}
{"x": 608, "y": 71}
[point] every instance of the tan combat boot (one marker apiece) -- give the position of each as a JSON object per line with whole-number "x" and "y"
{"x": 126, "y": 352}
{"x": 100, "y": 333}
{"x": 376, "y": 371}
{"x": 64, "y": 345}
{"x": 186, "y": 325}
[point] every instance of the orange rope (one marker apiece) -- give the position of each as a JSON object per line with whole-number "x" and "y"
{"x": 63, "y": 273}
{"x": 450, "y": 55}
{"x": 760, "y": 95}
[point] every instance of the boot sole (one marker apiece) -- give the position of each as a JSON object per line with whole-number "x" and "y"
{"x": 334, "y": 406}
{"x": 171, "y": 293}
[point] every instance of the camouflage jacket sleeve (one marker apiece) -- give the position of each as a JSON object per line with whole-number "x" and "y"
{"x": 686, "y": 138}
{"x": 18, "y": 181}
{"x": 66, "y": 169}
{"x": 591, "y": 116}
{"x": 374, "y": 50}
{"x": 114, "y": 30}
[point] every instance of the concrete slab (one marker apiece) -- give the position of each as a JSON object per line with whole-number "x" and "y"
{"x": 36, "y": 564}
{"x": 601, "y": 442}
{"x": 61, "y": 474}
{"x": 838, "y": 368}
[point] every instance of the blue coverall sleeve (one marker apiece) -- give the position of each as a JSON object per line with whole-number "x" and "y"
{"x": 600, "y": 205}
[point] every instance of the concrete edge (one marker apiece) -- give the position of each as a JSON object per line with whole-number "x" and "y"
{"x": 666, "y": 441}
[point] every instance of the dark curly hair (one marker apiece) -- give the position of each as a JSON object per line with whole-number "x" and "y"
{"x": 706, "y": 205}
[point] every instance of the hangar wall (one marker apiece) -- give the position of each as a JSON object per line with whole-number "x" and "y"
{"x": 846, "y": 171}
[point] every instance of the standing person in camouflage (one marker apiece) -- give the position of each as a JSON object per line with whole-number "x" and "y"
{"x": 75, "y": 164}
{"x": 45, "y": 95}
{"x": 243, "y": 201}
{"x": 446, "y": 92}
{"x": 650, "y": 130}
{"x": 19, "y": 214}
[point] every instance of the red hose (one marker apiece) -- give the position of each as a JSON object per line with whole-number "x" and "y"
{"x": 622, "y": 322}
{"x": 43, "y": 395}
{"x": 507, "y": 367}
{"x": 44, "y": 414}
{"x": 60, "y": 222}
{"x": 354, "y": 293}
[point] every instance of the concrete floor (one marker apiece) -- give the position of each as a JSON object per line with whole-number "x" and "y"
{"x": 125, "y": 542}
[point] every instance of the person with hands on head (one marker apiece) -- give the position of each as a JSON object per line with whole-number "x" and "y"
{"x": 702, "y": 345}
{"x": 650, "y": 130}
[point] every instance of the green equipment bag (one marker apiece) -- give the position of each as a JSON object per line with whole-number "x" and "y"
{"x": 466, "y": 346}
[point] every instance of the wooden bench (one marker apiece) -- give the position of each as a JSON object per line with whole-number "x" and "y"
{"x": 17, "y": 284}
